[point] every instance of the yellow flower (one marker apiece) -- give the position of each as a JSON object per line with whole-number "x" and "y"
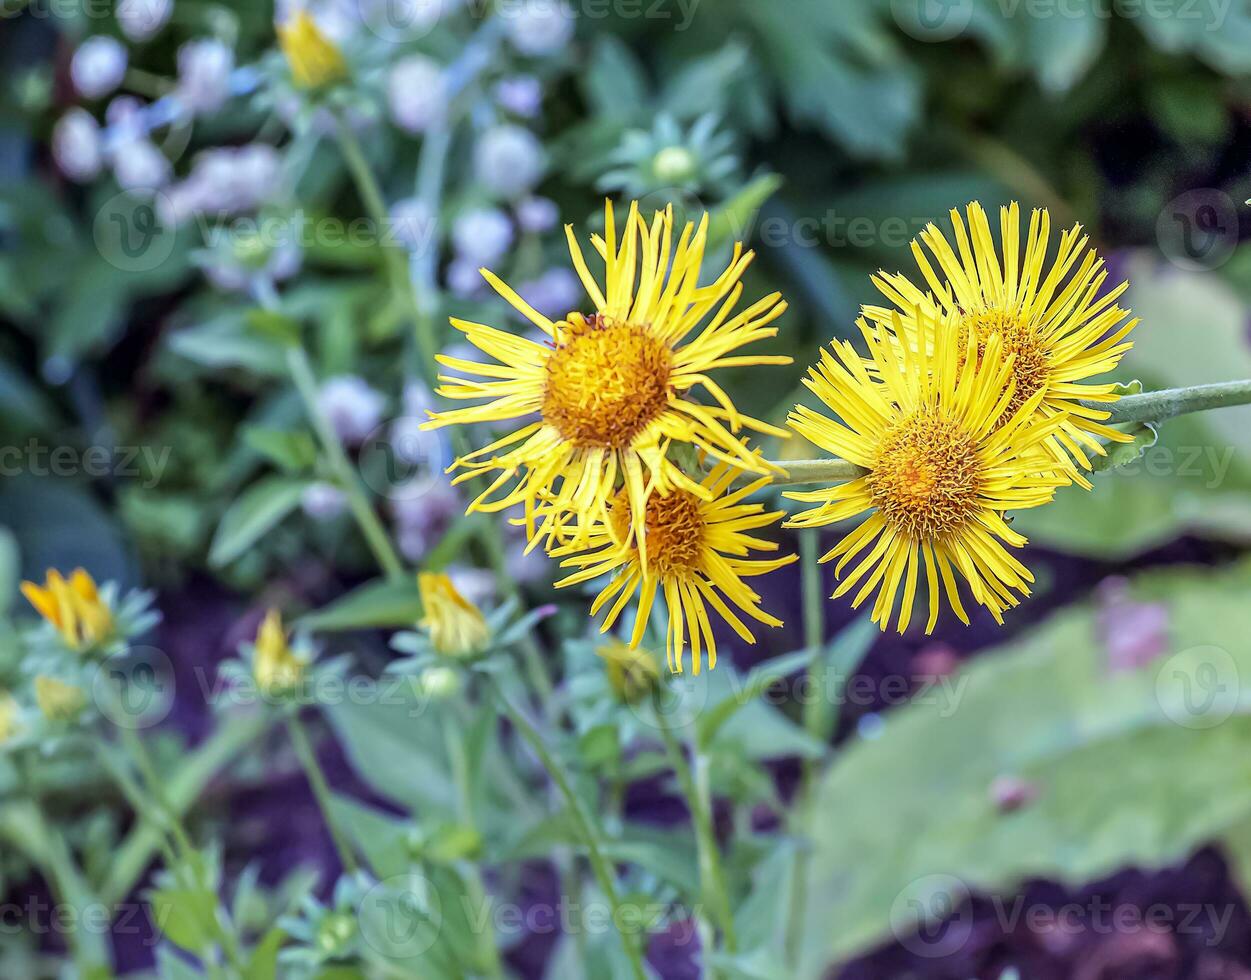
{"x": 315, "y": 60}
{"x": 74, "y": 607}
{"x": 612, "y": 388}
{"x": 632, "y": 673}
{"x": 9, "y": 715}
{"x": 697, "y": 546}
{"x": 946, "y": 456}
{"x": 275, "y": 666}
{"x": 456, "y": 627}
{"x": 1050, "y": 316}
{"x": 57, "y": 700}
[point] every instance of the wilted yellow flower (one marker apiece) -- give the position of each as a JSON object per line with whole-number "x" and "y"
{"x": 697, "y": 545}
{"x": 315, "y": 60}
{"x": 1049, "y": 316}
{"x": 612, "y": 388}
{"x": 57, "y": 700}
{"x": 946, "y": 457}
{"x": 275, "y": 666}
{"x": 74, "y": 607}
{"x": 455, "y": 625}
{"x": 632, "y": 672}
{"x": 9, "y": 714}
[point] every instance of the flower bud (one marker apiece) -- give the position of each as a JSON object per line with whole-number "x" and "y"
{"x": 140, "y": 20}
{"x": 416, "y": 93}
{"x": 57, "y": 700}
{"x": 98, "y": 66}
{"x": 508, "y": 160}
{"x": 76, "y": 146}
{"x": 204, "y": 69}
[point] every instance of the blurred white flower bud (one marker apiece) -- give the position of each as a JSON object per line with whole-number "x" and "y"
{"x": 539, "y": 27}
{"x": 141, "y": 19}
{"x": 352, "y": 406}
{"x": 139, "y": 166}
{"x": 554, "y": 293}
{"x": 76, "y": 146}
{"x": 323, "y": 501}
{"x": 537, "y": 214}
{"x": 204, "y": 69}
{"x": 508, "y": 160}
{"x": 226, "y": 180}
{"x": 412, "y": 225}
{"x": 522, "y": 95}
{"x": 416, "y": 93}
{"x": 98, "y": 66}
{"x": 463, "y": 279}
{"x": 475, "y": 584}
{"x": 482, "y": 235}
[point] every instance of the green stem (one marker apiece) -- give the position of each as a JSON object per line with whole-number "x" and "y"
{"x": 459, "y": 763}
{"x": 1156, "y": 406}
{"x": 585, "y": 825}
{"x": 693, "y": 781}
{"x": 396, "y": 259}
{"x": 345, "y": 474}
{"x": 321, "y": 790}
{"x": 182, "y": 789}
{"x": 1150, "y": 406}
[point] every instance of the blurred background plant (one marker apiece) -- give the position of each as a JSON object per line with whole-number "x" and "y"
{"x": 221, "y": 291}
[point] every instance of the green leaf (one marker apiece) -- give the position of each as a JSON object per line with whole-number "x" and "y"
{"x": 258, "y": 510}
{"x": 263, "y": 963}
{"x": 1116, "y": 760}
{"x": 760, "y": 679}
{"x": 226, "y": 342}
{"x": 294, "y": 452}
{"x": 374, "y": 605}
{"x": 186, "y": 917}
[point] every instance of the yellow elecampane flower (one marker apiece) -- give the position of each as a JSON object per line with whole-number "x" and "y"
{"x": 275, "y": 667}
{"x": 1049, "y": 314}
{"x": 73, "y": 606}
{"x": 697, "y": 560}
{"x": 314, "y": 59}
{"x": 612, "y": 388}
{"x": 456, "y": 626}
{"x": 946, "y": 455}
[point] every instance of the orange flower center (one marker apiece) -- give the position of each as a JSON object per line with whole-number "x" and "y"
{"x": 674, "y": 525}
{"x": 1031, "y": 368}
{"x": 606, "y": 381}
{"x": 926, "y": 478}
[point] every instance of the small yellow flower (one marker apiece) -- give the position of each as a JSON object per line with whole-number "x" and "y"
{"x": 274, "y": 666}
{"x": 456, "y": 627}
{"x": 1054, "y": 318}
{"x": 696, "y": 560}
{"x": 57, "y": 700}
{"x": 74, "y": 607}
{"x": 315, "y": 60}
{"x": 632, "y": 672}
{"x": 9, "y": 714}
{"x": 946, "y": 456}
{"x": 614, "y": 387}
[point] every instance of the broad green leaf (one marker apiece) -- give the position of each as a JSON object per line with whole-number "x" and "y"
{"x": 374, "y": 605}
{"x": 1117, "y": 760}
{"x": 258, "y": 510}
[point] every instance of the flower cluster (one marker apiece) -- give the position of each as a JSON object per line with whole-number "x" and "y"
{"x": 599, "y": 470}
{"x": 970, "y": 405}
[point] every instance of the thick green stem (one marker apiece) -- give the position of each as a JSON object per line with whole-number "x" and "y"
{"x": 1150, "y": 406}
{"x": 585, "y": 824}
{"x": 693, "y": 781}
{"x": 345, "y": 474}
{"x": 321, "y": 790}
